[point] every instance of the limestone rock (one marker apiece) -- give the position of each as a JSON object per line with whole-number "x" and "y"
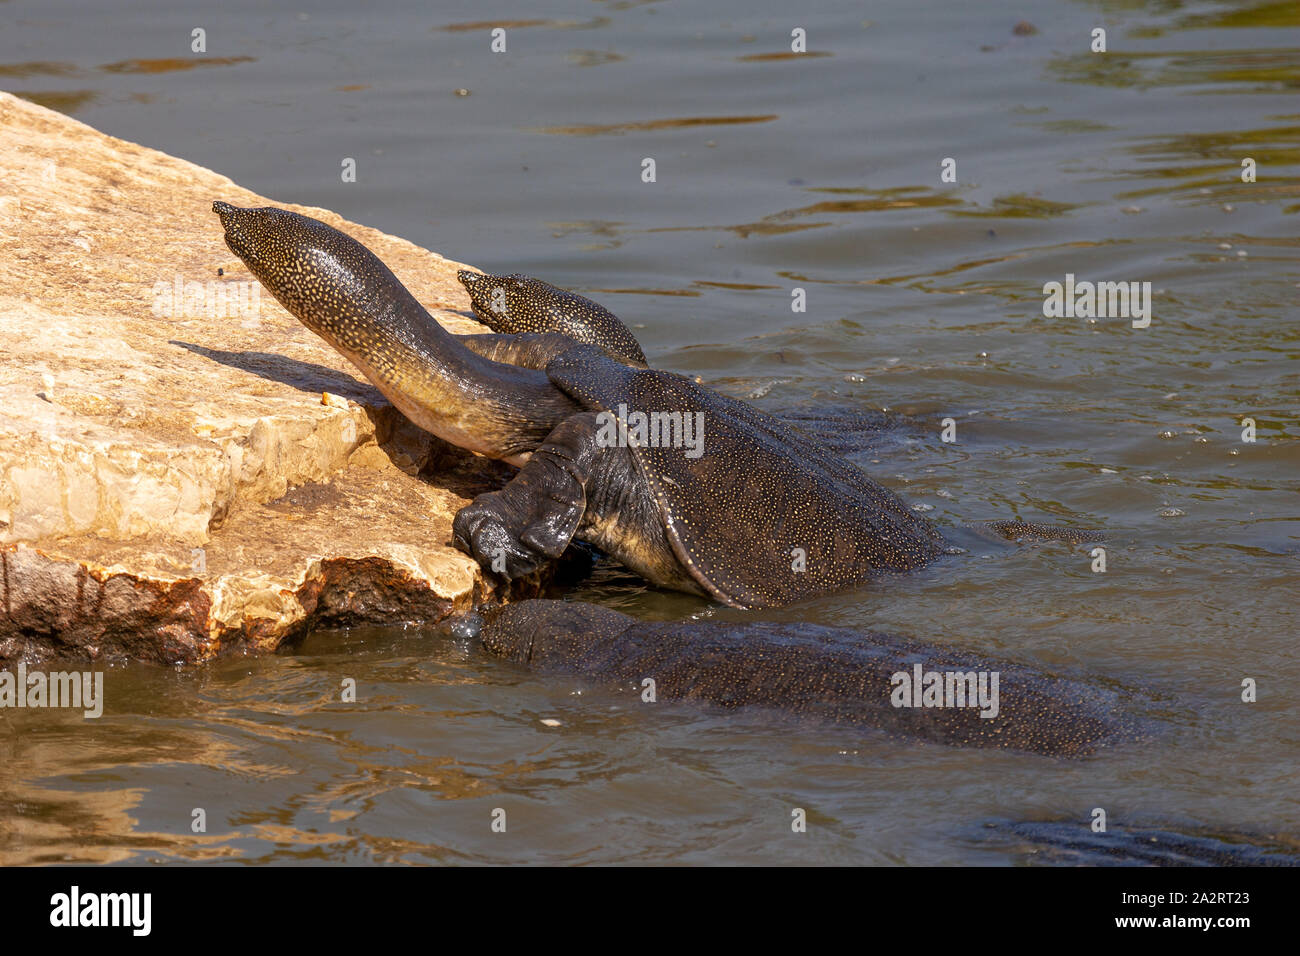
{"x": 185, "y": 470}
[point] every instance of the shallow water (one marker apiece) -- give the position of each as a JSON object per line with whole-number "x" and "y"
{"x": 773, "y": 172}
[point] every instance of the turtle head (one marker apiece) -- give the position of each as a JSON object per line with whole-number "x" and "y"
{"x": 495, "y": 298}
{"x": 322, "y": 276}
{"x": 275, "y": 244}
{"x": 549, "y": 635}
{"x": 517, "y": 304}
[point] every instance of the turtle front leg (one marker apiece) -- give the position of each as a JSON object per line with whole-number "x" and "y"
{"x": 514, "y": 531}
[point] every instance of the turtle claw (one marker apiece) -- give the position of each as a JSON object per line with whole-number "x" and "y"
{"x": 505, "y": 542}
{"x": 532, "y": 520}
{"x": 481, "y": 531}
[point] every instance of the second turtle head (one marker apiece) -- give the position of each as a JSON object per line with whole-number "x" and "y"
{"x": 515, "y": 300}
{"x": 517, "y": 304}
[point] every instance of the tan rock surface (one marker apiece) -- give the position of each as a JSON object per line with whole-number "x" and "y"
{"x": 174, "y": 482}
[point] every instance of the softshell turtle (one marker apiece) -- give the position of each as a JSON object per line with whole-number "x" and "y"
{"x": 689, "y": 488}
{"x": 830, "y": 675}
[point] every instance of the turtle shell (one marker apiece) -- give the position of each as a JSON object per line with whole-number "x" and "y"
{"x": 756, "y": 511}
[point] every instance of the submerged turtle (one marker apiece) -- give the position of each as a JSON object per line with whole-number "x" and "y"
{"x": 832, "y": 675}
{"x": 689, "y": 488}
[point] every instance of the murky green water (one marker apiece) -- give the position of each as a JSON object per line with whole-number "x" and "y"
{"x": 773, "y": 172}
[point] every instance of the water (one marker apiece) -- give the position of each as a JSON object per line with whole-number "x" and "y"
{"x": 924, "y": 297}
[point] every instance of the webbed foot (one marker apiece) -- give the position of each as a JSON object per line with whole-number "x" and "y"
{"x": 509, "y": 536}
{"x": 530, "y": 522}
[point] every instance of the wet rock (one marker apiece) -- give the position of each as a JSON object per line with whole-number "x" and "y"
{"x": 185, "y": 470}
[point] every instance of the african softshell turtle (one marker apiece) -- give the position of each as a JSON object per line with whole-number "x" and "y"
{"x": 691, "y": 489}
{"x": 744, "y": 509}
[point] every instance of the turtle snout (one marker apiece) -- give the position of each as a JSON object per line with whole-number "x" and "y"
{"x": 232, "y": 220}
{"x": 479, "y": 285}
{"x": 262, "y": 234}
{"x": 466, "y": 627}
{"x": 228, "y": 214}
{"x": 470, "y": 280}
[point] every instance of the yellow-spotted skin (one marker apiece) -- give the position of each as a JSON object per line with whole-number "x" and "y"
{"x": 763, "y": 515}
{"x": 342, "y": 292}
{"x": 756, "y": 513}
{"x": 517, "y": 304}
{"x": 829, "y": 674}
